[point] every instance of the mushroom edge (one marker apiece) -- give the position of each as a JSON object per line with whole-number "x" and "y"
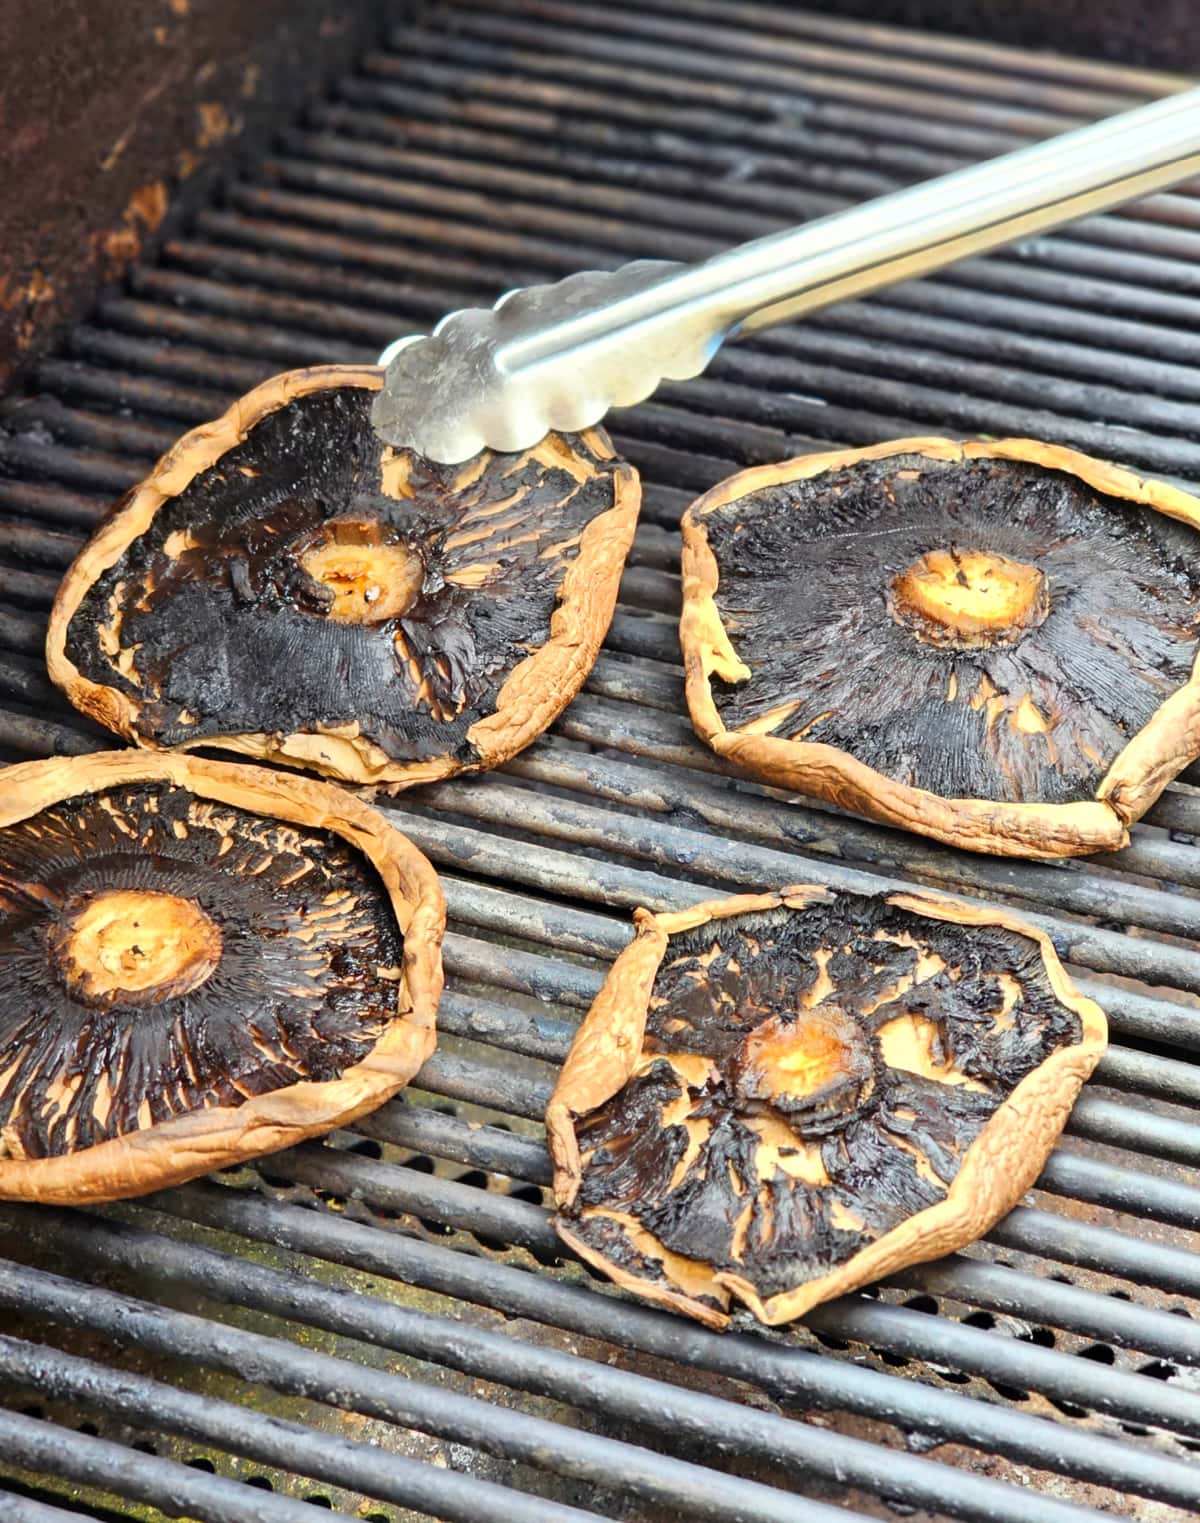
{"x": 1167, "y": 743}
{"x": 172, "y": 1152}
{"x": 532, "y": 696}
{"x": 997, "y": 1168}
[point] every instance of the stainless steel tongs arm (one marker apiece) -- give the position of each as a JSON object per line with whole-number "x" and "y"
{"x": 559, "y": 356}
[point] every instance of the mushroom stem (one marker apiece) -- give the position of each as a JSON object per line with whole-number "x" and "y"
{"x": 369, "y": 580}
{"x": 798, "y": 1060}
{"x": 969, "y": 599}
{"x": 132, "y": 946}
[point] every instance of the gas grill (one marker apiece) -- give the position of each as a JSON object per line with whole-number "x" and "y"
{"x": 384, "y": 1324}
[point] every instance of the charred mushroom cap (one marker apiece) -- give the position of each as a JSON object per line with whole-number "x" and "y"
{"x": 992, "y": 644}
{"x": 202, "y": 962}
{"x": 779, "y": 1097}
{"x": 285, "y": 585}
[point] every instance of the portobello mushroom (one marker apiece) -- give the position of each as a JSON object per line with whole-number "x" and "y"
{"x": 202, "y": 962}
{"x": 992, "y": 644}
{"x": 286, "y": 586}
{"x": 776, "y": 1098}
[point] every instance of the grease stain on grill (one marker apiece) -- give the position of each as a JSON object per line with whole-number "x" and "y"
{"x": 387, "y": 1437}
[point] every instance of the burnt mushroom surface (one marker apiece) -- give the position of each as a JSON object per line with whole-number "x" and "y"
{"x": 188, "y": 981}
{"x": 1004, "y": 629}
{"x": 287, "y": 585}
{"x": 779, "y": 1097}
{"x": 991, "y": 625}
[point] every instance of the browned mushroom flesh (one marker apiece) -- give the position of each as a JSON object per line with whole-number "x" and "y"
{"x": 286, "y": 586}
{"x": 779, "y": 1097}
{"x": 202, "y": 962}
{"x": 992, "y": 644}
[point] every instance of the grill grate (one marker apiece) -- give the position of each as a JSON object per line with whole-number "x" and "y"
{"x": 382, "y": 1324}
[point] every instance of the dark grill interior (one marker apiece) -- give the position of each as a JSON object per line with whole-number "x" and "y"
{"x": 383, "y": 1324}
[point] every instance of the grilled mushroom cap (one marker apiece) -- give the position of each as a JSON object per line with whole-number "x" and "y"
{"x": 779, "y": 1097}
{"x": 201, "y": 962}
{"x": 992, "y": 644}
{"x": 286, "y": 586}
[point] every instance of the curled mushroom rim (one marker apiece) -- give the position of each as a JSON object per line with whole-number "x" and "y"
{"x": 531, "y": 697}
{"x": 991, "y": 1179}
{"x": 171, "y": 1152}
{"x": 1165, "y": 745}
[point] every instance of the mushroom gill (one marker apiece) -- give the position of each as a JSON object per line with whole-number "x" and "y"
{"x": 992, "y": 644}
{"x": 286, "y": 586}
{"x": 778, "y": 1097}
{"x": 202, "y": 963}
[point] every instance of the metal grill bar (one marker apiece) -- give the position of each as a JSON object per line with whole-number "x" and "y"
{"x": 652, "y": 1405}
{"x": 897, "y": 41}
{"x": 515, "y": 1220}
{"x": 510, "y": 142}
{"x": 1118, "y": 403}
{"x": 393, "y": 1399}
{"x": 44, "y": 1446}
{"x": 1025, "y": 1229}
{"x": 150, "y": 1404}
{"x": 831, "y": 74}
{"x": 791, "y": 1375}
{"x": 19, "y": 1509}
{"x": 712, "y": 134}
{"x": 664, "y": 845}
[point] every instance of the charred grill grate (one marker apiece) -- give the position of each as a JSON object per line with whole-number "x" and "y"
{"x": 382, "y": 1324}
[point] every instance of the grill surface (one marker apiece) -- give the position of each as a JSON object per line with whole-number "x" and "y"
{"x": 382, "y": 1324}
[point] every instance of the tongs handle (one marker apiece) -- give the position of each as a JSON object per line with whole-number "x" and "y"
{"x": 560, "y": 356}
{"x": 968, "y": 211}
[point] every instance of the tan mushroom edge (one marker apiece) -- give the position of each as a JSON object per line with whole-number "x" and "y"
{"x": 1167, "y": 743}
{"x": 173, "y": 1151}
{"x": 534, "y": 694}
{"x": 997, "y": 1169}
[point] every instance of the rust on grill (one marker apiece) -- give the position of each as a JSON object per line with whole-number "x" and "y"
{"x": 110, "y": 110}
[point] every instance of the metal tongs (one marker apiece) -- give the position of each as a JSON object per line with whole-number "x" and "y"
{"x": 559, "y": 356}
